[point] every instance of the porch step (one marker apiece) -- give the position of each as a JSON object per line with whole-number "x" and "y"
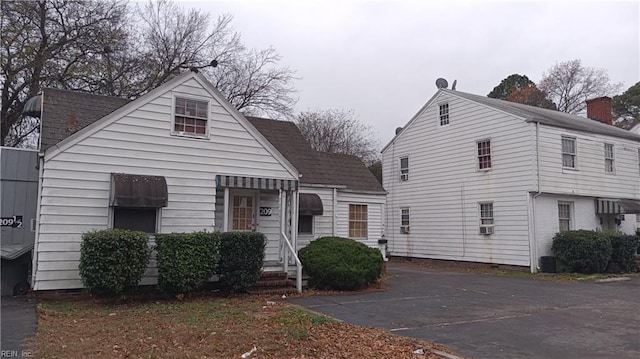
{"x": 273, "y": 283}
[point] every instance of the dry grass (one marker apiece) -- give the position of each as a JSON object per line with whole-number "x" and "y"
{"x": 208, "y": 328}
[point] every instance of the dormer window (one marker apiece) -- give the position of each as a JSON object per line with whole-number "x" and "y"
{"x": 191, "y": 117}
{"x": 444, "y": 114}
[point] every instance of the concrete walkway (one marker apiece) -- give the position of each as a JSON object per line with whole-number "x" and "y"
{"x": 497, "y": 316}
{"x": 18, "y": 324}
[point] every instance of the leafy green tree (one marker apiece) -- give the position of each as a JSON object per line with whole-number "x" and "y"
{"x": 508, "y": 85}
{"x": 626, "y": 107}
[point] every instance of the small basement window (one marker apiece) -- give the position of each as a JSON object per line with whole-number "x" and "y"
{"x": 191, "y": 117}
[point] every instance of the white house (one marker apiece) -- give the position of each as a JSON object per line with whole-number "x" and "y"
{"x": 178, "y": 159}
{"x": 472, "y": 178}
{"x": 339, "y": 196}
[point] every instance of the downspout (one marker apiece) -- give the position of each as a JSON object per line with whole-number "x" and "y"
{"x": 335, "y": 212}
{"x": 533, "y": 248}
{"x": 34, "y": 257}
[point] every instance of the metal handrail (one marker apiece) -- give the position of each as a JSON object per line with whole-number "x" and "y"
{"x": 297, "y": 260}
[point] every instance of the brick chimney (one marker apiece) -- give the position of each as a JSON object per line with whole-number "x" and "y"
{"x": 599, "y": 109}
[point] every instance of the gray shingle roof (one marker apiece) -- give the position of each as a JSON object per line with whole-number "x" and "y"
{"x": 549, "y": 117}
{"x": 66, "y": 112}
{"x": 316, "y": 167}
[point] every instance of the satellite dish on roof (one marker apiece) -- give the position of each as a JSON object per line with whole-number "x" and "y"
{"x": 453, "y": 87}
{"x": 441, "y": 83}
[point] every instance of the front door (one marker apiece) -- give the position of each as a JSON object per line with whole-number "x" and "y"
{"x": 243, "y": 213}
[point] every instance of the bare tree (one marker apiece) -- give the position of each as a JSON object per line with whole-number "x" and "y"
{"x": 569, "y": 85}
{"x": 108, "y": 48}
{"x": 338, "y": 131}
{"x": 50, "y": 43}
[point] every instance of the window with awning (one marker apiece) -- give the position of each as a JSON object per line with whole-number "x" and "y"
{"x": 617, "y": 206}
{"x": 138, "y": 191}
{"x": 310, "y": 204}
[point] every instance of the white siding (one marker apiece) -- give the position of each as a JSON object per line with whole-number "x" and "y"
{"x": 444, "y": 186}
{"x": 76, "y": 180}
{"x": 589, "y": 178}
{"x": 270, "y": 225}
{"x": 584, "y": 217}
{"x": 375, "y": 209}
{"x": 322, "y": 225}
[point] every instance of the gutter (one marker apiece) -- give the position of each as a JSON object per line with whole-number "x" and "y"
{"x": 34, "y": 256}
{"x": 533, "y": 249}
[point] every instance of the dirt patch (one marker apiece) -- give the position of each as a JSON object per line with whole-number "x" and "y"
{"x": 209, "y": 328}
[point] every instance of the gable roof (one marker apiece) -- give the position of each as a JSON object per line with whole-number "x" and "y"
{"x": 321, "y": 168}
{"x": 66, "y": 112}
{"x": 113, "y": 113}
{"x": 534, "y": 114}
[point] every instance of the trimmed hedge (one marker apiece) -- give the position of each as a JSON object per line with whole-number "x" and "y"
{"x": 241, "y": 259}
{"x": 113, "y": 260}
{"x": 186, "y": 260}
{"x": 340, "y": 263}
{"x": 582, "y": 251}
{"x": 623, "y": 254}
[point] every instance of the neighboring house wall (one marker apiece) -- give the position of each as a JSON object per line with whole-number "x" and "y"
{"x": 445, "y": 187}
{"x": 76, "y": 179}
{"x": 583, "y": 217}
{"x": 375, "y": 209}
{"x": 589, "y": 178}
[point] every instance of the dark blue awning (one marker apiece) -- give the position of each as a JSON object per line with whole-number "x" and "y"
{"x": 33, "y": 106}
{"x": 256, "y": 183}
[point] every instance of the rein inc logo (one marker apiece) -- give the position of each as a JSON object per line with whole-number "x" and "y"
{"x": 16, "y": 354}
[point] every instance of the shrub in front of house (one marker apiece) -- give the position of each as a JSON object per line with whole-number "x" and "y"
{"x": 623, "y": 255}
{"x": 241, "y": 259}
{"x": 340, "y": 263}
{"x": 186, "y": 261}
{"x": 582, "y": 251}
{"x": 113, "y": 260}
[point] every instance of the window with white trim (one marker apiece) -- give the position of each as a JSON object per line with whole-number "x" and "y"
{"x": 404, "y": 168}
{"x": 569, "y": 152}
{"x": 444, "y": 114}
{"x": 609, "y": 158}
{"x": 305, "y": 224}
{"x": 136, "y": 219}
{"x": 564, "y": 215}
{"x": 484, "y": 154}
{"x": 486, "y": 217}
{"x": 190, "y": 117}
{"x": 358, "y": 221}
{"x": 404, "y": 220}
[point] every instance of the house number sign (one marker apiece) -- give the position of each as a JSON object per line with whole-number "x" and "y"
{"x": 13, "y": 222}
{"x": 265, "y": 211}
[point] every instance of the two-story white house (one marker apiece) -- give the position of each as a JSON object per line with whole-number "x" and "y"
{"x": 471, "y": 178}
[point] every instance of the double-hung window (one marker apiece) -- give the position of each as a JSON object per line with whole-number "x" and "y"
{"x": 569, "y": 152}
{"x": 404, "y": 168}
{"x": 564, "y": 216}
{"x": 609, "y": 158}
{"x": 191, "y": 117}
{"x": 358, "y": 221}
{"x": 444, "y": 114}
{"x": 484, "y": 154}
{"x": 404, "y": 220}
{"x": 486, "y": 218}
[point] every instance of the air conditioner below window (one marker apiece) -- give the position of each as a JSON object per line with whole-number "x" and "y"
{"x": 486, "y": 230}
{"x": 404, "y": 229}
{"x": 404, "y": 177}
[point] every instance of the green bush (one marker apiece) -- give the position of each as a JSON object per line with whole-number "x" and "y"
{"x": 186, "y": 260}
{"x": 340, "y": 263}
{"x": 241, "y": 258}
{"x": 582, "y": 251}
{"x": 113, "y": 260}
{"x": 623, "y": 255}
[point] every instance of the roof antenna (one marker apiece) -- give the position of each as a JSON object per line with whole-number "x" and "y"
{"x": 441, "y": 83}
{"x": 453, "y": 87}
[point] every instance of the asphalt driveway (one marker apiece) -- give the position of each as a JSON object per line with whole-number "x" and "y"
{"x": 498, "y": 316}
{"x": 18, "y": 325}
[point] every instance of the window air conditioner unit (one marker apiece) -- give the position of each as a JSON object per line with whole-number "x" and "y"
{"x": 486, "y": 230}
{"x": 404, "y": 177}
{"x": 404, "y": 229}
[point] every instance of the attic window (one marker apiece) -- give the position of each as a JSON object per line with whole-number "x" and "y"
{"x": 444, "y": 114}
{"x": 191, "y": 117}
